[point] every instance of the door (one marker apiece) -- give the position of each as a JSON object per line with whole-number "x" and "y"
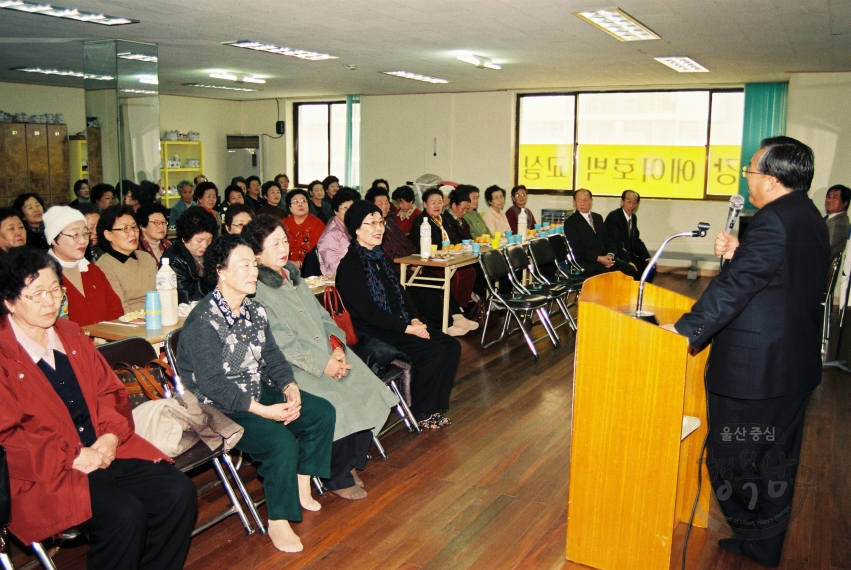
{"x": 37, "y": 162}
{"x": 17, "y": 175}
{"x": 57, "y": 156}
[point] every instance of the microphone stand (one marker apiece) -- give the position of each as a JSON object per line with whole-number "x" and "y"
{"x": 649, "y": 316}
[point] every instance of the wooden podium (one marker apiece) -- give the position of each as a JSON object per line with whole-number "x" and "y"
{"x": 632, "y": 479}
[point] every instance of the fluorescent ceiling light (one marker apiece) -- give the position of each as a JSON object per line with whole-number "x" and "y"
{"x": 682, "y": 64}
{"x": 415, "y": 76}
{"x": 138, "y": 91}
{"x": 138, "y": 57}
{"x": 64, "y": 73}
{"x": 479, "y": 61}
{"x": 619, "y": 24}
{"x": 219, "y": 87}
{"x": 271, "y": 48}
{"x": 66, "y": 13}
{"x": 252, "y": 79}
{"x": 149, "y": 79}
{"x": 223, "y": 75}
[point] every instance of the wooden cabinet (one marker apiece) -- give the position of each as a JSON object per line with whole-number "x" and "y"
{"x": 34, "y": 158}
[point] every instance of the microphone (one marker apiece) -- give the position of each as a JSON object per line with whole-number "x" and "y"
{"x": 737, "y": 202}
{"x": 702, "y": 228}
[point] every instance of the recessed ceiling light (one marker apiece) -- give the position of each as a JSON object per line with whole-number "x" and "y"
{"x": 682, "y": 64}
{"x": 138, "y": 91}
{"x": 479, "y": 61}
{"x": 252, "y": 79}
{"x": 619, "y": 24}
{"x": 64, "y": 73}
{"x": 271, "y": 48}
{"x": 223, "y": 75}
{"x": 138, "y": 57}
{"x": 66, "y": 13}
{"x": 219, "y": 87}
{"x": 415, "y": 76}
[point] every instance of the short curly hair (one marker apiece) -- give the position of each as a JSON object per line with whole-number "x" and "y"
{"x": 217, "y": 255}
{"x": 107, "y": 220}
{"x": 490, "y": 191}
{"x": 458, "y": 196}
{"x": 328, "y": 181}
{"x": 232, "y": 212}
{"x": 196, "y": 220}
{"x": 144, "y": 213}
{"x": 98, "y": 190}
{"x": 261, "y": 228}
{"x": 405, "y": 193}
{"x": 20, "y": 267}
{"x": 267, "y": 186}
{"x": 22, "y": 199}
{"x": 202, "y": 188}
{"x": 344, "y": 195}
{"x": 375, "y": 192}
{"x": 6, "y": 213}
{"x": 230, "y": 190}
{"x": 296, "y": 192}
{"x": 431, "y": 192}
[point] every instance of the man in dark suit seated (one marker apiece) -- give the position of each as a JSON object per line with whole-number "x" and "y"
{"x": 622, "y": 226}
{"x": 836, "y": 205}
{"x": 453, "y": 216}
{"x": 591, "y": 244}
{"x": 763, "y": 315}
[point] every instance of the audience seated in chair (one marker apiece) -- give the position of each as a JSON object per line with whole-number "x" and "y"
{"x": 303, "y": 228}
{"x": 494, "y": 217}
{"x": 237, "y": 217}
{"x": 519, "y": 196}
{"x": 74, "y": 459}
{"x": 317, "y": 204}
{"x": 382, "y": 309}
{"x": 408, "y": 211}
{"x": 91, "y": 298}
{"x": 836, "y": 205}
{"x": 316, "y": 348}
{"x": 132, "y": 274}
{"x": 12, "y": 233}
{"x": 591, "y": 244}
{"x": 334, "y": 241}
{"x": 478, "y": 227}
{"x": 195, "y": 230}
{"x": 622, "y": 227}
{"x": 271, "y": 192}
{"x": 151, "y": 219}
{"x": 228, "y": 358}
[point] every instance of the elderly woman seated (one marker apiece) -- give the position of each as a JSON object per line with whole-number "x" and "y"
{"x": 236, "y": 218}
{"x": 335, "y": 240}
{"x": 91, "y": 298}
{"x": 131, "y": 274}
{"x": 195, "y": 230}
{"x": 12, "y": 233}
{"x": 303, "y": 228}
{"x": 206, "y": 194}
{"x": 316, "y": 348}
{"x": 30, "y": 208}
{"x": 151, "y": 219}
{"x": 74, "y": 459}
{"x": 382, "y": 309}
{"x": 494, "y": 217}
{"x": 271, "y": 192}
{"x": 228, "y": 357}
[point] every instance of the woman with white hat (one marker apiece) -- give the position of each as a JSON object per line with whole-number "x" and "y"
{"x": 91, "y": 298}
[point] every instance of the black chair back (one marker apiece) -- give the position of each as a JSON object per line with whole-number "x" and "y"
{"x": 171, "y": 341}
{"x": 135, "y": 351}
{"x": 493, "y": 264}
{"x": 559, "y": 245}
{"x": 517, "y": 257}
{"x": 542, "y": 251}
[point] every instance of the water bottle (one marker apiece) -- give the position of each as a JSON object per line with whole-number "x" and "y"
{"x": 425, "y": 239}
{"x": 153, "y": 311}
{"x": 522, "y": 221}
{"x": 167, "y": 290}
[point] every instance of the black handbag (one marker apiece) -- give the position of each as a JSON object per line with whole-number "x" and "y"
{"x": 377, "y": 355}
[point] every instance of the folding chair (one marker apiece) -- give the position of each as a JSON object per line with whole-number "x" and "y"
{"x": 556, "y": 293}
{"x": 543, "y": 258}
{"x": 827, "y": 302}
{"x": 495, "y": 267}
{"x": 563, "y": 251}
{"x": 137, "y": 351}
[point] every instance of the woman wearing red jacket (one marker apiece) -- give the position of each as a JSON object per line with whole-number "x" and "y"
{"x": 74, "y": 458}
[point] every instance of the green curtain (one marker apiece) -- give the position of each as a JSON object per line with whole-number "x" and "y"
{"x": 349, "y": 175}
{"x": 765, "y": 116}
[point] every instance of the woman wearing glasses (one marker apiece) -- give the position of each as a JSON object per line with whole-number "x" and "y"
{"x": 74, "y": 459}
{"x": 195, "y": 231}
{"x": 91, "y": 298}
{"x": 519, "y": 195}
{"x": 151, "y": 219}
{"x": 303, "y": 228}
{"x": 382, "y": 309}
{"x": 130, "y": 275}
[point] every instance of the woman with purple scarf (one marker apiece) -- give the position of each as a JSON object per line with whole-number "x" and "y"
{"x": 382, "y": 309}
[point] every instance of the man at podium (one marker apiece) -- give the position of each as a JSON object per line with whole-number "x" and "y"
{"x": 763, "y": 316}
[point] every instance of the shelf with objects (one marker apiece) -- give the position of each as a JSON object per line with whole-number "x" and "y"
{"x": 181, "y": 160}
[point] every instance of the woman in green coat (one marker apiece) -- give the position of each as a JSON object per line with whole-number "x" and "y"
{"x": 316, "y": 348}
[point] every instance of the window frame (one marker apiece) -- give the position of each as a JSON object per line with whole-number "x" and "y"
{"x": 296, "y": 107}
{"x": 576, "y": 95}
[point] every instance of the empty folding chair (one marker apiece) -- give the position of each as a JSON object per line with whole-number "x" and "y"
{"x": 827, "y": 302}
{"x": 515, "y": 304}
{"x": 556, "y": 293}
{"x": 544, "y": 265}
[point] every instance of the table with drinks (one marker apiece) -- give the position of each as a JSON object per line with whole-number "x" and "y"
{"x": 451, "y": 259}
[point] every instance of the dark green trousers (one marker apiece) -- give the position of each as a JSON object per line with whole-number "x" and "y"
{"x": 285, "y": 451}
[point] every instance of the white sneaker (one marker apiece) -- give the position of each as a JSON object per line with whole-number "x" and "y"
{"x": 463, "y": 322}
{"x": 456, "y": 331}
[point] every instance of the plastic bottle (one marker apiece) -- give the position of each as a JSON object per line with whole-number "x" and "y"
{"x": 425, "y": 239}
{"x": 167, "y": 289}
{"x": 522, "y": 221}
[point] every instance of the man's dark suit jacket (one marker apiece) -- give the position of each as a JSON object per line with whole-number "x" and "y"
{"x": 588, "y": 244}
{"x": 763, "y": 311}
{"x": 629, "y": 244}
{"x": 460, "y": 227}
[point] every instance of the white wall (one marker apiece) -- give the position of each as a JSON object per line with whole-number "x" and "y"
{"x": 819, "y": 114}
{"x": 36, "y": 99}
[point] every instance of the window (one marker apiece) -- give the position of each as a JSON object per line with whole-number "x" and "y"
{"x": 664, "y": 144}
{"x": 321, "y": 141}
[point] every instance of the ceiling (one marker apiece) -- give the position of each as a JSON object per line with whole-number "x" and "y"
{"x": 540, "y": 43}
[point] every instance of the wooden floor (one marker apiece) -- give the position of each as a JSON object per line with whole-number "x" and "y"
{"x": 491, "y": 491}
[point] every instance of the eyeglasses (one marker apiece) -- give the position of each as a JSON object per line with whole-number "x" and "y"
{"x": 520, "y": 194}
{"x": 160, "y": 223}
{"x": 300, "y": 201}
{"x": 375, "y": 225}
{"x": 126, "y": 229}
{"x": 39, "y": 296}
{"x": 85, "y": 236}
{"x": 745, "y": 171}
